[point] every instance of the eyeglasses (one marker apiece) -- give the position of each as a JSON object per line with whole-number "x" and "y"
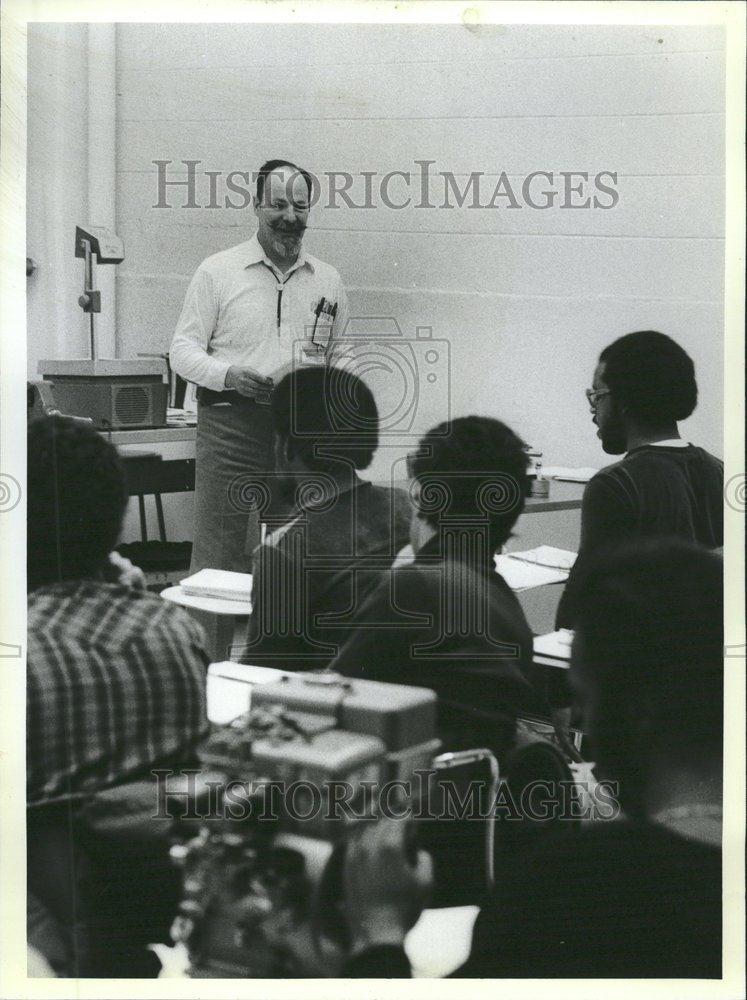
{"x": 594, "y": 394}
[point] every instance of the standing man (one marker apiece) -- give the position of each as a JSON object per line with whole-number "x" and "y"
{"x": 244, "y": 310}
{"x": 663, "y": 486}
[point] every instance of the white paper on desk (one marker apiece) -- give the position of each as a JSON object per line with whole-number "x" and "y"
{"x": 219, "y": 583}
{"x": 547, "y": 556}
{"x": 523, "y": 575}
{"x": 229, "y": 688}
{"x": 568, "y": 475}
{"x": 440, "y": 941}
{"x": 554, "y": 644}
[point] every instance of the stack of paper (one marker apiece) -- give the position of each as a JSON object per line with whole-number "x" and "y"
{"x": 219, "y": 583}
{"x": 554, "y": 648}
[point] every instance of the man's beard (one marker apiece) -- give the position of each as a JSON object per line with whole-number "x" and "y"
{"x": 287, "y": 243}
{"x": 614, "y": 441}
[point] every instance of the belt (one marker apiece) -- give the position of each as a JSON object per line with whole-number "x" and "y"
{"x": 209, "y": 397}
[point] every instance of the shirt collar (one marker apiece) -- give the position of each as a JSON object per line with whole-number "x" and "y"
{"x": 254, "y": 254}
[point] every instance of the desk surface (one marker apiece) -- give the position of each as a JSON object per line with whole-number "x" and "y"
{"x": 563, "y": 496}
{"x": 153, "y": 435}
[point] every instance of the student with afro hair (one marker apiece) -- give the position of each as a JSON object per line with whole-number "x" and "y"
{"x": 663, "y": 486}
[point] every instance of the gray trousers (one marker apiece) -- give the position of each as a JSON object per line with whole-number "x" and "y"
{"x": 234, "y": 450}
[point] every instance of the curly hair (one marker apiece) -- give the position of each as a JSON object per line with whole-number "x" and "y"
{"x": 76, "y": 500}
{"x": 651, "y": 376}
{"x": 472, "y": 470}
{"x": 327, "y": 415}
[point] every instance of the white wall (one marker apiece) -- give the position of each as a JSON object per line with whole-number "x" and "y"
{"x": 70, "y": 179}
{"x": 525, "y": 298}
{"x": 56, "y": 189}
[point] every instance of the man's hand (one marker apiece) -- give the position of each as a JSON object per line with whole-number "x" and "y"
{"x": 384, "y": 893}
{"x": 248, "y": 382}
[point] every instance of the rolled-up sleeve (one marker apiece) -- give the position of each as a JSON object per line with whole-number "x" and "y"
{"x": 188, "y": 354}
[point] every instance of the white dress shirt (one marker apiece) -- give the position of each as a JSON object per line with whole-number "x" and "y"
{"x": 241, "y": 310}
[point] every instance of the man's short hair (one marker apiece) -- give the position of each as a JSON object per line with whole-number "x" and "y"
{"x": 326, "y": 415}
{"x": 267, "y": 168}
{"x": 76, "y": 500}
{"x": 649, "y": 650}
{"x": 651, "y": 375}
{"x": 479, "y": 467}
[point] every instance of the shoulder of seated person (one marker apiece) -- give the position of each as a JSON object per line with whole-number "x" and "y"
{"x": 415, "y": 578}
{"x": 87, "y": 588}
{"x": 139, "y": 612}
{"x": 158, "y": 610}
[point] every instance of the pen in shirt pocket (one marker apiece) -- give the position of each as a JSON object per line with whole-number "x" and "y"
{"x": 325, "y": 311}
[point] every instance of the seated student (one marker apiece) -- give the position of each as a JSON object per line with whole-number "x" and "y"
{"x": 116, "y": 676}
{"x": 449, "y": 621}
{"x": 341, "y": 531}
{"x": 116, "y": 686}
{"x": 643, "y": 384}
{"x": 637, "y": 897}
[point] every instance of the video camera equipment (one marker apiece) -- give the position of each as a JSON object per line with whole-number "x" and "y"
{"x": 262, "y": 837}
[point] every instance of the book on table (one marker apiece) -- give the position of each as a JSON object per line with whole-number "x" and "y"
{"x": 220, "y": 583}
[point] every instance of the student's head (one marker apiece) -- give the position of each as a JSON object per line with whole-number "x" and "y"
{"x": 282, "y": 205}
{"x": 648, "y": 663}
{"x": 325, "y": 420}
{"x": 469, "y": 473}
{"x": 643, "y": 381}
{"x": 76, "y": 500}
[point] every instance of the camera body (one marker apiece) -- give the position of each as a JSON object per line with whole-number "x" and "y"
{"x": 281, "y": 787}
{"x": 411, "y": 375}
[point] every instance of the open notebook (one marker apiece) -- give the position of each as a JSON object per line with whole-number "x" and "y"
{"x": 547, "y": 556}
{"x": 535, "y": 567}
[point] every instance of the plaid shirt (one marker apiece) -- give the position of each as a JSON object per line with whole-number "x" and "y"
{"x": 116, "y": 682}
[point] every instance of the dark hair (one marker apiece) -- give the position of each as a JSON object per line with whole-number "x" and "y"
{"x": 651, "y": 375}
{"x": 472, "y": 470}
{"x": 327, "y": 415}
{"x": 76, "y": 500}
{"x": 649, "y": 651}
{"x": 267, "y": 168}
